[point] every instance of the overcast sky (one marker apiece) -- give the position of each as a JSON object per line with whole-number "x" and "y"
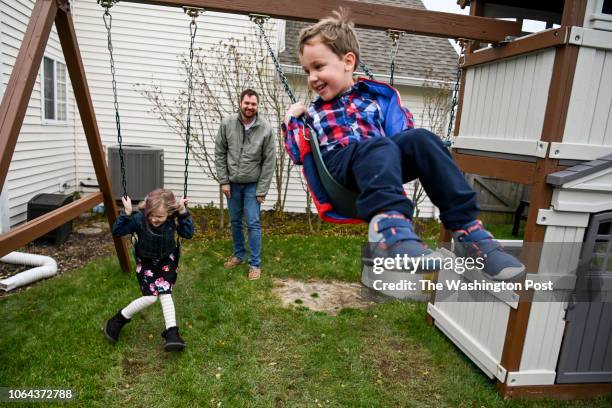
{"x": 447, "y": 6}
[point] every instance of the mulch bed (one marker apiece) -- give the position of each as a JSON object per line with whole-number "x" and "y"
{"x": 78, "y": 250}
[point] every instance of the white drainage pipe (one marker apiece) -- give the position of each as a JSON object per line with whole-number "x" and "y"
{"x": 45, "y": 267}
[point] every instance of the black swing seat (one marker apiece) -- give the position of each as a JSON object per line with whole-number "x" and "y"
{"x": 343, "y": 199}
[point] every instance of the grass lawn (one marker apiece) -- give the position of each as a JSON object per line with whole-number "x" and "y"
{"x": 244, "y": 348}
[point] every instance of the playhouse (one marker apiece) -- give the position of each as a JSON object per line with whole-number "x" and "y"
{"x": 536, "y": 111}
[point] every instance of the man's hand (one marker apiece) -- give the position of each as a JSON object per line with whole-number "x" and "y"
{"x": 296, "y": 110}
{"x": 183, "y": 205}
{"x": 261, "y": 199}
{"x": 127, "y": 205}
{"x": 225, "y": 188}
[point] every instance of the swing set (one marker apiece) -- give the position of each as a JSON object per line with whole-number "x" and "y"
{"x": 47, "y": 12}
{"x": 564, "y": 44}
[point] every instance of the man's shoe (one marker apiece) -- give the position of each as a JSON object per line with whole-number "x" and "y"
{"x": 174, "y": 342}
{"x": 473, "y": 241}
{"x": 232, "y": 262}
{"x": 254, "y": 272}
{"x": 113, "y": 326}
{"x": 391, "y": 234}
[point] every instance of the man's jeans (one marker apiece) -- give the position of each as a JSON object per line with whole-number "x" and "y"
{"x": 243, "y": 202}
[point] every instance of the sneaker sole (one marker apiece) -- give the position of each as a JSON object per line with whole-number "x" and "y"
{"x": 434, "y": 256}
{"x": 174, "y": 346}
{"x": 108, "y": 336}
{"x": 507, "y": 274}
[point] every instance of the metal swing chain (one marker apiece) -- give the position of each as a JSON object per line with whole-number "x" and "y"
{"x": 460, "y": 61}
{"x": 193, "y": 28}
{"x": 260, "y": 20}
{"x": 395, "y": 37}
{"x": 108, "y": 22}
{"x": 366, "y": 70}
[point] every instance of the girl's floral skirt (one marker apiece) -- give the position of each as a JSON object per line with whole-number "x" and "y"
{"x": 157, "y": 276}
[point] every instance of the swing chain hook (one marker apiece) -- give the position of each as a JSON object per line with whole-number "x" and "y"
{"x": 460, "y": 62}
{"x": 395, "y": 36}
{"x": 107, "y": 4}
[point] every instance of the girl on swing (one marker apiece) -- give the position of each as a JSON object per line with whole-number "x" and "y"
{"x": 157, "y": 257}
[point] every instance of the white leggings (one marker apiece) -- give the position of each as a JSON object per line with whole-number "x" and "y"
{"x": 145, "y": 301}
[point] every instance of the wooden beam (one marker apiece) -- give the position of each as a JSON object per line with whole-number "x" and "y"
{"x": 557, "y": 391}
{"x": 68, "y": 39}
{"x": 28, "y": 232}
{"x": 505, "y": 169}
{"x": 17, "y": 94}
{"x": 365, "y": 15}
{"x": 557, "y": 104}
{"x": 538, "y": 41}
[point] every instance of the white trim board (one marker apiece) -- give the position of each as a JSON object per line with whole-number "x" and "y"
{"x": 534, "y": 148}
{"x": 586, "y": 37}
{"x": 578, "y": 151}
{"x": 519, "y": 378}
{"x": 563, "y": 218}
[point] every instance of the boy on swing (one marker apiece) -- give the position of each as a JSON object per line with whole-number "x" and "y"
{"x": 369, "y": 144}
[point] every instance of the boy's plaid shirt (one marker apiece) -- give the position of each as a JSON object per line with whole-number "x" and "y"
{"x": 350, "y": 118}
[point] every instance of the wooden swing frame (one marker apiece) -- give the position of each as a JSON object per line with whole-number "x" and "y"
{"x": 46, "y": 12}
{"x": 365, "y": 15}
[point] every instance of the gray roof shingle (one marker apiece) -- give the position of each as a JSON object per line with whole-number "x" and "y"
{"x": 581, "y": 170}
{"x": 418, "y": 56}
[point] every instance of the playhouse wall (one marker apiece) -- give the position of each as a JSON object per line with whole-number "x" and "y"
{"x": 588, "y": 129}
{"x": 477, "y": 327}
{"x": 504, "y": 104}
{"x": 559, "y": 258}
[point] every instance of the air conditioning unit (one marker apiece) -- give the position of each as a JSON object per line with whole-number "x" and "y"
{"x": 144, "y": 170}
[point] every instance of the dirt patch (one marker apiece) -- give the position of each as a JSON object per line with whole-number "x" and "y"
{"x": 328, "y": 297}
{"x": 77, "y": 251}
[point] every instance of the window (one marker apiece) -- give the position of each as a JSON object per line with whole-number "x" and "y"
{"x": 54, "y": 90}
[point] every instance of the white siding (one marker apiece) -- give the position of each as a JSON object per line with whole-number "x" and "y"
{"x": 148, "y": 42}
{"x": 505, "y": 102}
{"x": 44, "y": 154}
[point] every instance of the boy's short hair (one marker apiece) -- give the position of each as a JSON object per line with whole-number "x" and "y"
{"x": 249, "y": 92}
{"x": 336, "y": 31}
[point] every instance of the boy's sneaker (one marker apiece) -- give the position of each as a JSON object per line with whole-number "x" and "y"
{"x": 232, "y": 262}
{"x": 391, "y": 234}
{"x": 473, "y": 241}
{"x": 174, "y": 342}
{"x": 113, "y": 326}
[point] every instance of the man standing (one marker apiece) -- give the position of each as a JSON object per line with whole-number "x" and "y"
{"x": 245, "y": 158}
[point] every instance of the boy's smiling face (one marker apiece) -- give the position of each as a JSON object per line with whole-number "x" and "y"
{"x": 328, "y": 74}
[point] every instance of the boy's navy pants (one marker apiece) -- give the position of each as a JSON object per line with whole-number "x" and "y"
{"x": 378, "y": 167}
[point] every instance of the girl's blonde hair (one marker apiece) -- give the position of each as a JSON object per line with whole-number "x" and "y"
{"x": 336, "y": 31}
{"x": 159, "y": 198}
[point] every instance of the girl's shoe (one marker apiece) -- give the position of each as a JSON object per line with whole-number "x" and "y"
{"x": 174, "y": 342}
{"x": 113, "y": 326}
